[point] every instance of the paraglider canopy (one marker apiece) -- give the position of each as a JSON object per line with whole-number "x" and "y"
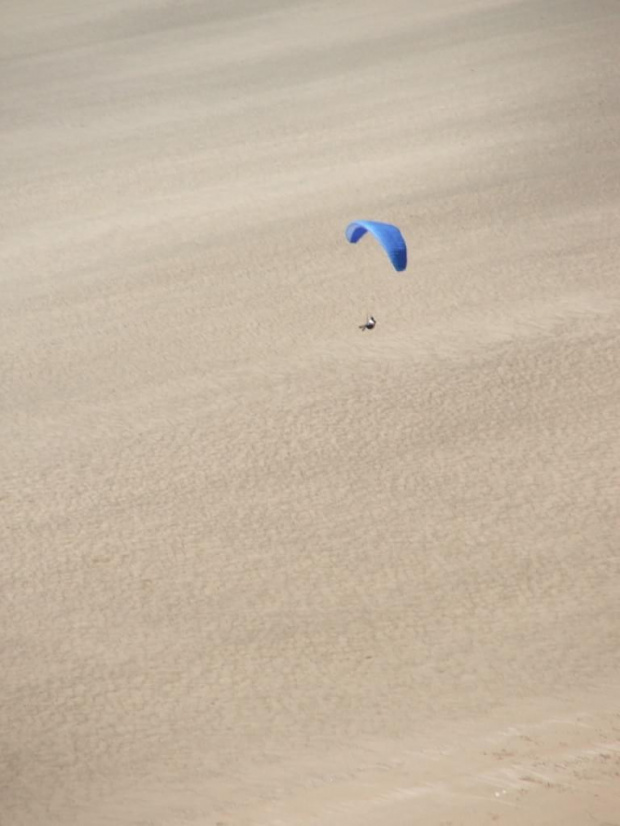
{"x": 388, "y": 235}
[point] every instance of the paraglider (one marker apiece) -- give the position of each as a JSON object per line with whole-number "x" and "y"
{"x": 388, "y": 235}
{"x": 393, "y": 243}
{"x": 370, "y": 324}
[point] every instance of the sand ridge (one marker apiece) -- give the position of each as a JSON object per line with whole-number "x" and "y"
{"x": 257, "y": 567}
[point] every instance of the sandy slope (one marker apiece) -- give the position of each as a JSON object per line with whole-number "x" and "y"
{"x": 259, "y": 568}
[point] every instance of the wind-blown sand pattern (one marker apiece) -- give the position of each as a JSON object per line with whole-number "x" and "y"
{"x": 257, "y": 567}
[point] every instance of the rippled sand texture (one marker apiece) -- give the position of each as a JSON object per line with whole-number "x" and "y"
{"x": 258, "y": 567}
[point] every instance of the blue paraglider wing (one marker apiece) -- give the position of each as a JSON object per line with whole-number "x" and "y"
{"x": 389, "y": 236}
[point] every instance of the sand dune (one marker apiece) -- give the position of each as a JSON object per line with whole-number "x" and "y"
{"x": 259, "y": 568}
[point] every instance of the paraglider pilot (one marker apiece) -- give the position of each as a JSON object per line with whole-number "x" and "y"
{"x": 370, "y": 323}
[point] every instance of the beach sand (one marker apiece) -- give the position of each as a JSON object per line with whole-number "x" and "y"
{"x": 259, "y": 568}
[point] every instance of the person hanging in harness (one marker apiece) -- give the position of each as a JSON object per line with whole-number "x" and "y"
{"x": 371, "y": 321}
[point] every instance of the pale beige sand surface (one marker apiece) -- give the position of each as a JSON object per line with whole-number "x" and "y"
{"x": 257, "y": 567}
